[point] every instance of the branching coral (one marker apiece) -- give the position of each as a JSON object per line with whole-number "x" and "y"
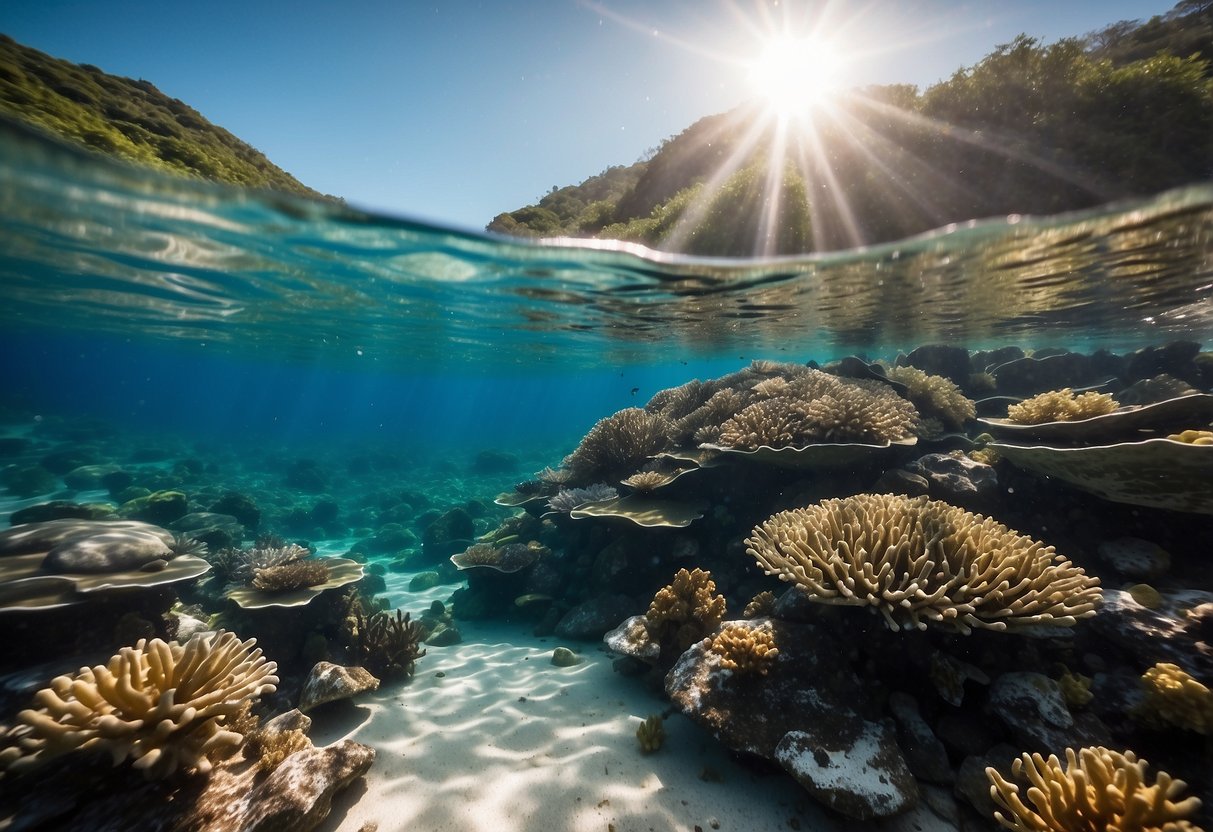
{"x": 1061, "y": 406}
{"x": 569, "y": 498}
{"x": 860, "y": 412}
{"x": 618, "y": 445}
{"x": 651, "y": 734}
{"x": 762, "y": 604}
{"x": 645, "y": 482}
{"x": 916, "y": 560}
{"x": 935, "y": 396}
{"x": 166, "y": 706}
{"x": 1175, "y": 700}
{"x": 288, "y": 577}
{"x": 387, "y": 646}
{"x": 744, "y": 650}
{"x": 685, "y": 611}
{"x": 1097, "y": 790}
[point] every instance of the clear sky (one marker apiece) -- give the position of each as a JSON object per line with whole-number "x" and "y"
{"x": 454, "y": 111}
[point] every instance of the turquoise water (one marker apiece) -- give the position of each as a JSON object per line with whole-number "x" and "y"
{"x": 138, "y": 296}
{"x": 360, "y": 380}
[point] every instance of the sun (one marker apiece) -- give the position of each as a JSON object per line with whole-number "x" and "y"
{"x": 794, "y": 75}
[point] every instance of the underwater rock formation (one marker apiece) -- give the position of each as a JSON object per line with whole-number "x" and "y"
{"x": 328, "y": 682}
{"x": 915, "y": 561}
{"x": 166, "y": 706}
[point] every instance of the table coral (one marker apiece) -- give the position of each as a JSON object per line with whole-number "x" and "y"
{"x": 916, "y": 560}
{"x": 164, "y": 705}
{"x": 1097, "y": 790}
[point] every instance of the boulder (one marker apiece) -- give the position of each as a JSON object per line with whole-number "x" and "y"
{"x": 1135, "y": 558}
{"x": 1175, "y": 632}
{"x": 593, "y": 618}
{"x": 957, "y": 479}
{"x": 160, "y": 507}
{"x": 328, "y": 682}
{"x": 940, "y": 360}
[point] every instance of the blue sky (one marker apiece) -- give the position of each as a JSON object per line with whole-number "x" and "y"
{"x": 453, "y": 111}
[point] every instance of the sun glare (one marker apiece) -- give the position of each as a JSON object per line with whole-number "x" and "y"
{"x": 793, "y": 75}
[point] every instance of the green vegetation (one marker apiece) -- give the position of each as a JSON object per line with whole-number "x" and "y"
{"x": 1033, "y": 128}
{"x": 129, "y": 119}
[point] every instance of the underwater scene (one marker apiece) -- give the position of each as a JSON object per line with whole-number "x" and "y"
{"x": 315, "y": 518}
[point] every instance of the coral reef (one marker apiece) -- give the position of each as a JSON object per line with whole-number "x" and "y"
{"x": 685, "y": 611}
{"x": 288, "y": 577}
{"x": 916, "y": 560}
{"x": 617, "y": 445}
{"x": 511, "y": 557}
{"x": 270, "y": 748}
{"x": 935, "y": 396}
{"x": 186, "y": 545}
{"x": 744, "y": 650}
{"x": 1061, "y": 406}
{"x": 388, "y": 646}
{"x": 651, "y": 734}
{"x": 166, "y": 706}
{"x": 1098, "y": 789}
{"x": 1175, "y": 700}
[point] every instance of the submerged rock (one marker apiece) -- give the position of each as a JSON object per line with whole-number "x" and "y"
{"x": 593, "y": 618}
{"x": 330, "y": 682}
{"x": 1135, "y": 558}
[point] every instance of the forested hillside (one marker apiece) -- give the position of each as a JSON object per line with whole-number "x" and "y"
{"x": 129, "y": 119}
{"x": 1032, "y": 128}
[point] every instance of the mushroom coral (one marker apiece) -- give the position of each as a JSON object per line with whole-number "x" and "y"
{"x": 916, "y": 560}
{"x": 165, "y": 705}
{"x": 1097, "y": 790}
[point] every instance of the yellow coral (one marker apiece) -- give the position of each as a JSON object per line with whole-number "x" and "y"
{"x": 1061, "y": 406}
{"x": 686, "y": 610}
{"x": 651, "y": 734}
{"x": 1146, "y": 595}
{"x": 915, "y": 560}
{"x": 1075, "y": 689}
{"x": 744, "y": 650}
{"x": 165, "y": 705}
{"x": 935, "y": 396}
{"x": 1098, "y": 790}
{"x": 1193, "y": 437}
{"x": 1175, "y": 699}
{"x": 760, "y": 605}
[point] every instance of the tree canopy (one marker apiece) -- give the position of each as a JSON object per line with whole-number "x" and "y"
{"x": 1032, "y": 128}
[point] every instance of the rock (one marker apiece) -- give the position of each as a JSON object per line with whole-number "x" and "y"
{"x": 564, "y": 657}
{"x": 62, "y": 461}
{"x": 973, "y": 785}
{"x": 391, "y": 537}
{"x": 901, "y": 481}
{"x": 450, "y": 533}
{"x": 940, "y": 360}
{"x": 942, "y": 802}
{"x": 966, "y": 734}
{"x": 61, "y": 510}
{"x": 948, "y": 675}
{"x": 108, "y": 551}
{"x": 296, "y": 796}
{"x": 593, "y": 618}
{"x": 1174, "y": 632}
{"x": 88, "y": 477}
{"x": 1175, "y": 359}
{"x": 306, "y": 475}
{"x": 495, "y": 462}
{"x": 239, "y": 506}
{"x": 11, "y": 446}
{"x": 632, "y": 639}
{"x": 444, "y": 635}
{"x": 852, "y": 766}
{"x": 1033, "y": 708}
{"x": 28, "y": 480}
{"x": 423, "y": 581}
{"x": 218, "y": 531}
{"x": 189, "y": 626}
{"x": 115, "y": 481}
{"x": 802, "y": 714}
{"x": 329, "y": 682}
{"x": 160, "y": 507}
{"x": 1029, "y": 376}
{"x": 925, "y": 754}
{"x": 957, "y": 479}
{"x": 1135, "y": 558}
{"x": 983, "y": 360}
